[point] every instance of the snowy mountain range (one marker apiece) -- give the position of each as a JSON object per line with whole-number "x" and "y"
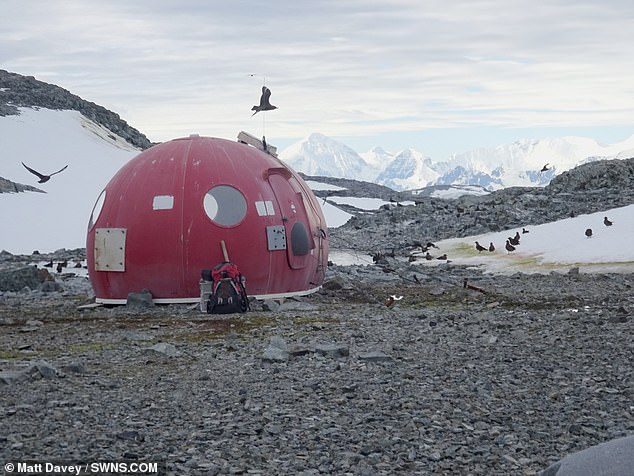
{"x": 516, "y": 164}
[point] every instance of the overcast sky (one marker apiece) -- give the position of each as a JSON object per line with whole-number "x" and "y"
{"x": 439, "y": 76}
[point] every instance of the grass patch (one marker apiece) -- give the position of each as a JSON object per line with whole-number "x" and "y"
{"x": 465, "y": 248}
{"x": 10, "y": 355}
{"x": 211, "y": 330}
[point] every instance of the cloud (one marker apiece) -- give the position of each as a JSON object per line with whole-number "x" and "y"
{"x": 341, "y": 68}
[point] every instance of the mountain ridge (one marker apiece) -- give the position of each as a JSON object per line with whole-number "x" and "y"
{"x": 17, "y": 91}
{"x": 521, "y": 163}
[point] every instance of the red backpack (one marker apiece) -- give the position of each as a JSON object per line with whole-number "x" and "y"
{"x": 228, "y": 293}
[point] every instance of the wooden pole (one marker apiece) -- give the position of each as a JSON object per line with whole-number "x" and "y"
{"x": 224, "y": 250}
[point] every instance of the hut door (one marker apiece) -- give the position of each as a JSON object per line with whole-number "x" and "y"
{"x": 294, "y": 218}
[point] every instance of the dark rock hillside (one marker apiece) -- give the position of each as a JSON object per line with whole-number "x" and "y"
{"x": 7, "y": 186}
{"x": 17, "y": 91}
{"x": 588, "y": 188}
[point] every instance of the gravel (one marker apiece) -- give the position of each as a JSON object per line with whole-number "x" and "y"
{"x": 446, "y": 380}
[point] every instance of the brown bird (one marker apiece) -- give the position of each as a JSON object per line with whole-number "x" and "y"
{"x": 479, "y": 247}
{"x": 607, "y": 222}
{"x": 516, "y": 239}
{"x": 43, "y": 178}
{"x": 524, "y": 230}
{"x": 589, "y": 232}
{"x": 442, "y": 257}
{"x": 264, "y": 105}
{"x": 491, "y": 247}
{"x": 545, "y": 168}
{"x": 509, "y": 247}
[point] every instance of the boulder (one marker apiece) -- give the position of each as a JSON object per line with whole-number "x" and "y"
{"x": 612, "y": 458}
{"x": 18, "y": 278}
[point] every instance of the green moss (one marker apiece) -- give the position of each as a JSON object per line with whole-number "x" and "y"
{"x": 465, "y": 248}
{"x": 214, "y": 329}
{"x": 10, "y": 355}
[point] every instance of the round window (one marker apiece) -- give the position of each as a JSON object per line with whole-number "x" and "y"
{"x": 96, "y": 210}
{"x": 225, "y": 205}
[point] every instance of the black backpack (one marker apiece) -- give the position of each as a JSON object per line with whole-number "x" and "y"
{"x": 228, "y": 294}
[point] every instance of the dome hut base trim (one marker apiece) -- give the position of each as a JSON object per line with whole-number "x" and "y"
{"x": 196, "y": 300}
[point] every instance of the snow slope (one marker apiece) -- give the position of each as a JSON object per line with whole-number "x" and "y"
{"x": 47, "y": 140}
{"x": 556, "y": 246}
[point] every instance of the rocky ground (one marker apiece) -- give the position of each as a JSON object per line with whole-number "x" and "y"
{"x": 501, "y": 378}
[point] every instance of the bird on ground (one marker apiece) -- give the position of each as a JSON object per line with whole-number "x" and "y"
{"x": 589, "y": 232}
{"x": 607, "y": 222}
{"x": 509, "y": 247}
{"x": 49, "y": 264}
{"x": 416, "y": 279}
{"x": 43, "y": 178}
{"x": 392, "y": 299}
{"x": 515, "y": 240}
{"x": 429, "y": 257}
{"x": 264, "y": 105}
{"x": 442, "y": 257}
{"x": 479, "y": 247}
{"x": 524, "y": 231}
{"x": 491, "y": 247}
{"x": 545, "y": 168}
{"x": 430, "y": 245}
{"x": 59, "y": 267}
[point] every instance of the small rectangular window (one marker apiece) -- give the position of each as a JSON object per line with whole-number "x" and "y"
{"x": 261, "y": 208}
{"x": 163, "y": 202}
{"x": 265, "y": 208}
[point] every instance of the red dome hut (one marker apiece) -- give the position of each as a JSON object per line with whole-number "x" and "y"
{"x": 165, "y": 215}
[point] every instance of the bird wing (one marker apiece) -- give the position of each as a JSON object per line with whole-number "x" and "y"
{"x": 60, "y": 170}
{"x": 34, "y": 172}
{"x": 266, "y": 94}
{"x": 264, "y": 101}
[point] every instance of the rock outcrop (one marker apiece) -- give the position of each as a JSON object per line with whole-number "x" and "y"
{"x": 17, "y": 91}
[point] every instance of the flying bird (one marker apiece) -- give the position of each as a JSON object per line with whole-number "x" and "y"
{"x": 43, "y": 178}
{"x": 607, "y": 222}
{"x": 264, "y": 105}
{"x": 545, "y": 168}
